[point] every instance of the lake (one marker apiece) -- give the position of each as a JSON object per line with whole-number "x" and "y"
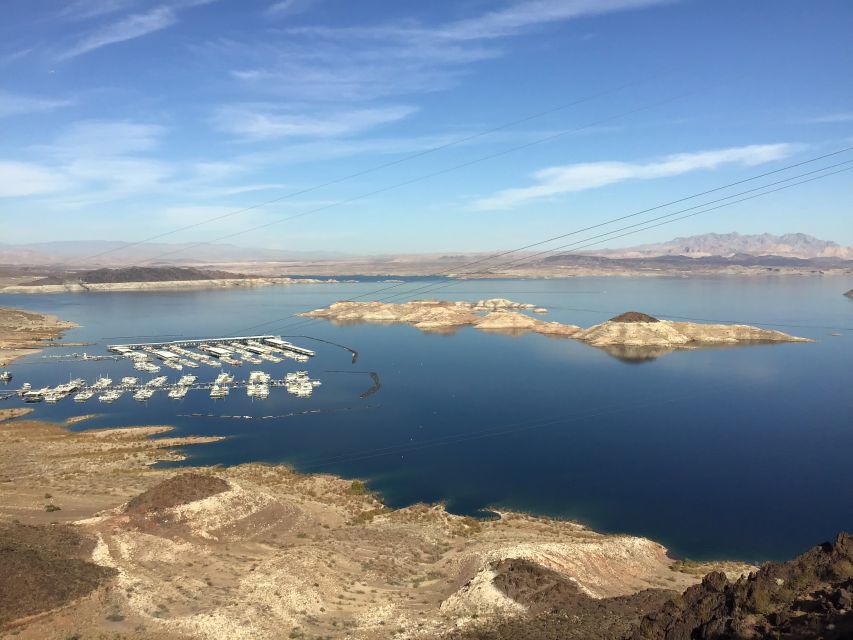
{"x": 740, "y": 452}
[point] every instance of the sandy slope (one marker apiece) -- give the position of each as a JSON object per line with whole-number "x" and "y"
{"x": 21, "y": 332}
{"x": 278, "y": 553}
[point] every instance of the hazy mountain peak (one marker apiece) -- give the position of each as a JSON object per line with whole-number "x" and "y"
{"x": 792, "y": 245}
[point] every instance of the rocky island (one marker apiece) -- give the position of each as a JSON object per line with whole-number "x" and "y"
{"x": 628, "y": 331}
{"x": 496, "y": 314}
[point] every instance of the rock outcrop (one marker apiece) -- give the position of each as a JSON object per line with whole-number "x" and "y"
{"x": 808, "y": 597}
{"x": 497, "y": 314}
{"x": 639, "y": 330}
{"x": 630, "y": 332}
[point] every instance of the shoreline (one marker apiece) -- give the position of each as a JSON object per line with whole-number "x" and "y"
{"x": 163, "y": 285}
{"x": 314, "y": 535}
{"x": 24, "y": 333}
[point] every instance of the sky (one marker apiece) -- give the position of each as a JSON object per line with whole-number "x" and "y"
{"x": 399, "y": 127}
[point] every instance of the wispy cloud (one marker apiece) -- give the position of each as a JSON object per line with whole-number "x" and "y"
{"x": 13, "y": 56}
{"x": 830, "y": 118}
{"x": 257, "y": 122}
{"x": 12, "y": 104}
{"x": 87, "y": 9}
{"x": 288, "y": 8}
{"x": 91, "y": 162}
{"x": 19, "y": 179}
{"x": 560, "y": 180}
{"x": 128, "y": 28}
{"x": 105, "y": 138}
{"x": 377, "y": 61}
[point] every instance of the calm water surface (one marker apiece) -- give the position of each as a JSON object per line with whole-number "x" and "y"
{"x": 738, "y": 452}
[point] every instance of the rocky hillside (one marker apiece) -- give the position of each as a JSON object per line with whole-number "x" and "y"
{"x": 808, "y": 597}
{"x": 789, "y": 245}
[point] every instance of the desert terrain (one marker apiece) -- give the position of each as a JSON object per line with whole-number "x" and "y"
{"x": 257, "y": 551}
{"x": 23, "y": 332}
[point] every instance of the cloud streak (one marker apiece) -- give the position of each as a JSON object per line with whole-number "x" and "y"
{"x": 18, "y": 179}
{"x": 323, "y": 63}
{"x": 128, "y": 28}
{"x": 13, "y": 104}
{"x": 555, "y": 181}
{"x": 260, "y": 122}
{"x": 830, "y": 118}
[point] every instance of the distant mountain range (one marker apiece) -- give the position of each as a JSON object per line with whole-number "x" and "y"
{"x": 726, "y": 245}
{"x": 117, "y": 253}
{"x": 747, "y": 249}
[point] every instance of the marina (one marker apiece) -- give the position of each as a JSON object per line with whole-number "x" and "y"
{"x": 175, "y": 355}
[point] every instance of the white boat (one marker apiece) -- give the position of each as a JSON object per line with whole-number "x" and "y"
{"x": 84, "y": 395}
{"x": 218, "y": 391}
{"x": 35, "y": 396}
{"x": 26, "y": 387}
{"x": 129, "y": 381}
{"x": 186, "y": 380}
{"x": 109, "y": 396}
{"x": 189, "y": 363}
{"x": 159, "y": 381}
{"x": 178, "y": 392}
{"x": 173, "y": 364}
{"x": 5, "y": 376}
{"x": 102, "y": 383}
{"x": 224, "y": 378}
{"x": 257, "y": 391}
{"x": 143, "y": 394}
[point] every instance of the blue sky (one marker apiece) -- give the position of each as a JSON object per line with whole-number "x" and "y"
{"x": 121, "y": 119}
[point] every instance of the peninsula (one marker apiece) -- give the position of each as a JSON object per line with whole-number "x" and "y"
{"x": 23, "y": 332}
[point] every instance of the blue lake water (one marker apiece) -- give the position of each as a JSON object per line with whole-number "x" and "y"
{"x": 740, "y": 452}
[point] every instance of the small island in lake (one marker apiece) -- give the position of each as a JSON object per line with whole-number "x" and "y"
{"x": 633, "y": 330}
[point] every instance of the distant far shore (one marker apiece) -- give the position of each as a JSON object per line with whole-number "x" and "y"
{"x": 161, "y": 285}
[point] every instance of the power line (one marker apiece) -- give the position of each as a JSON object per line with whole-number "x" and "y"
{"x": 437, "y": 286}
{"x": 530, "y": 258}
{"x": 379, "y": 167}
{"x": 588, "y": 228}
{"x": 613, "y": 237}
{"x": 423, "y": 177}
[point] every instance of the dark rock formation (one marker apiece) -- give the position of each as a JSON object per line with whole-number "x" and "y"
{"x": 178, "y": 490}
{"x": 44, "y": 567}
{"x": 557, "y": 609}
{"x": 633, "y": 316}
{"x": 809, "y": 597}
